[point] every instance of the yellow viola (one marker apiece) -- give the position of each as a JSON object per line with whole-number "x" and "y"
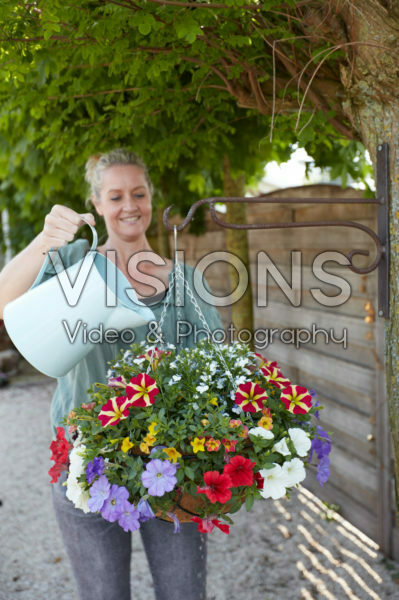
{"x": 144, "y": 447}
{"x": 172, "y": 453}
{"x": 150, "y": 439}
{"x": 126, "y": 444}
{"x": 198, "y": 444}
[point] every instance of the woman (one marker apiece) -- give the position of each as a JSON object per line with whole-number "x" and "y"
{"x": 99, "y": 551}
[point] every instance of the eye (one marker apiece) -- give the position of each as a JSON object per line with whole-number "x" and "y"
{"x": 139, "y": 195}
{"x": 115, "y": 198}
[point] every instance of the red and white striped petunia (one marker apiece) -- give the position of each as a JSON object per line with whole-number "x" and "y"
{"x": 250, "y": 396}
{"x": 153, "y": 356}
{"x": 275, "y": 376}
{"x": 114, "y": 410}
{"x": 263, "y": 362}
{"x": 141, "y": 390}
{"x": 296, "y": 399}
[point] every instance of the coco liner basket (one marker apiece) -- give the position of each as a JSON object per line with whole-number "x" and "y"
{"x": 188, "y": 436}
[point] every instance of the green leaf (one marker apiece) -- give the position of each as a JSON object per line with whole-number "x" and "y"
{"x": 140, "y": 415}
{"x": 249, "y": 500}
{"x": 146, "y": 24}
{"x": 189, "y": 472}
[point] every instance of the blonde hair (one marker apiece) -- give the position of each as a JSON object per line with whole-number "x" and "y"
{"x": 98, "y": 163}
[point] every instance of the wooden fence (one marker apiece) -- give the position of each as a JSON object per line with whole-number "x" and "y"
{"x": 349, "y": 381}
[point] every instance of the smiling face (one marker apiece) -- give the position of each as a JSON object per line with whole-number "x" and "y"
{"x": 125, "y": 202}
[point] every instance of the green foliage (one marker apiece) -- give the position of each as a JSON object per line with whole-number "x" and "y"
{"x": 88, "y": 76}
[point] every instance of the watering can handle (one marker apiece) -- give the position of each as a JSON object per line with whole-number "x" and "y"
{"x": 47, "y": 259}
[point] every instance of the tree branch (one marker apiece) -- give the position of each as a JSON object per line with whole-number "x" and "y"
{"x": 202, "y": 5}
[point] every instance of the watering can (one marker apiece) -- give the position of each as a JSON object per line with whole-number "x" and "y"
{"x": 46, "y": 323}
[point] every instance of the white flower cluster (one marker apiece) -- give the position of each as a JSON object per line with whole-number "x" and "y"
{"x": 292, "y": 472}
{"x": 278, "y": 478}
{"x": 75, "y": 492}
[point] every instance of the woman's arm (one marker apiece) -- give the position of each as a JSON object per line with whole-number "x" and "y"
{"x": 60, "y": 227}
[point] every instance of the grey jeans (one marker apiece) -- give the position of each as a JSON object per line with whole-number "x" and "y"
{"x": 100, "y": 552}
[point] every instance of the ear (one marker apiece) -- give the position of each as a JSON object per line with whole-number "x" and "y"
{"x": 96, "y": 205}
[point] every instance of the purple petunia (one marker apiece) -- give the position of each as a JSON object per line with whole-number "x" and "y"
{"x": 175, "y": 520}
{"x": 129, "y": 517}
{"x": 321, "y": 445}
{"x": 323, "y": 470}
{"x": 117, "y": 382}
{"x": 155, "y": 448}
{"x": 95, "y": 467}
{"x": 99, "y": 492}
{"x": 145, "y": 510}
{"x": 159, "y": 477}
{"x": 113, "y": 505}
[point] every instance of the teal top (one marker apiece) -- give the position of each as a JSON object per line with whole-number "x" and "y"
{"x": 72, "y": 388}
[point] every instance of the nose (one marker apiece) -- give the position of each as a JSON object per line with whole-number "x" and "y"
{"x": 130, "y": 203}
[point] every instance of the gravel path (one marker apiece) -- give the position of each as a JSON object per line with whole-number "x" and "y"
{"x": 285, "y": 549}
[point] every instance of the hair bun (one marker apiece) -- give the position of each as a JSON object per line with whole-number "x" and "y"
{"x": 90, "y": 166}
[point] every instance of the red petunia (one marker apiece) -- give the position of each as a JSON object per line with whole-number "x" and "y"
{"x": 59, "y": 454}
{"x": 250, "y": 396}
{"x": 56, "y": 471}
{"x": 296, "y": 399}
{"x": 266, "y": 363}
{"x": 259, "y": 480}
{"x": 153, "y": 356}
{"x": 114, "y": 410}
{"x": 217, "y": 487}
{"x": 60, "y": 447}
{"x": 275, "y": 376}
{"x": 239, "y": 469}
{"x": 207, "y": 524}
{"x": 141, "y": 390}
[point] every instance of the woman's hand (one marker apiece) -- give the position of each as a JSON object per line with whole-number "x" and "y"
{"x": 60, "y": 226}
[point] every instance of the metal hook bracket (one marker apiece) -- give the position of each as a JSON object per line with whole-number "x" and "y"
{"x": 380, "y": 239}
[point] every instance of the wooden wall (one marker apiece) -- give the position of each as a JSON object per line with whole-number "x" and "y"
{"x": 349, "y": 381}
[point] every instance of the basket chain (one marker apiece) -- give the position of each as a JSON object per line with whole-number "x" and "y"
{"x": 178, "y": 278}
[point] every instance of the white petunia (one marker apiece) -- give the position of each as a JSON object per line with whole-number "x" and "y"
{"x": 76, "y": 494}
{"x": 202, "y": 388}
{"x": 76, "y": 466}
{"x": 281, "y": 447}
{"x": 274, "y": 482}
{"x": 239, "y": 380}
{"x": 294, "y": 472}
{"x": 262, "y": 432}
{"x": 300, "y": 439}
{"x": 195, "y": 406}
